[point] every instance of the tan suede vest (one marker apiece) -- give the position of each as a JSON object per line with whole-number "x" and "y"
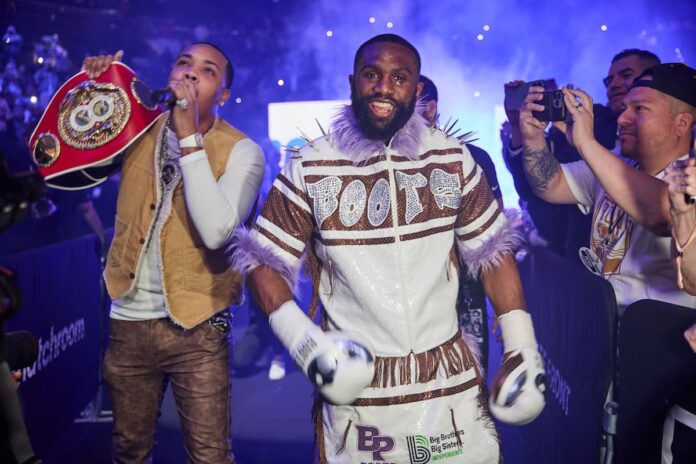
{"x": 197, "y": 281}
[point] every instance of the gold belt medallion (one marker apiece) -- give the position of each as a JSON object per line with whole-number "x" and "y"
{"x": 93, "y": 114}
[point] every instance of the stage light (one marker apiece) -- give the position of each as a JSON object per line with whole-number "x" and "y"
{"x": 372, "y": 19}
{"x": 486, "y": 27}
{"x": 477, "y": 94}
{"x": 479, "y": 37}
{"x": 329, "y": 33}
{"x": 33, "y": 99}
{"x": 390, "y": 24}
{"x": 238, "y": 100}
{"x": 281, "y": 82}
{"x": 604, "y": 27}
{"x": 40, "y": 59}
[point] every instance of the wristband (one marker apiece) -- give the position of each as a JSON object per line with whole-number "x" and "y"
{"x": 517, "y": 329}
{"x": 292, "y": 326}
{"x": 194, "y": 140}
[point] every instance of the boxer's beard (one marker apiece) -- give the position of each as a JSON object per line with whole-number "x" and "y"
{"x": 377, "y": 129}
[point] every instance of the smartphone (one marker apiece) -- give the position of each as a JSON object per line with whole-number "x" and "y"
{"x": 554, "y": 107}
{"x": 514, "y": 97}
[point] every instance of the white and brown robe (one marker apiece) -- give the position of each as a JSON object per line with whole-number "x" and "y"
{"x": 379, "y": 227}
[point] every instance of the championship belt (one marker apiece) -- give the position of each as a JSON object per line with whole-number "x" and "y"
{"x": 89, "y": 122}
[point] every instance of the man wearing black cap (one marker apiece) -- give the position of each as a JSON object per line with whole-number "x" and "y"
{"x": 563, "y": 227}
{"x": 628, "y": 245}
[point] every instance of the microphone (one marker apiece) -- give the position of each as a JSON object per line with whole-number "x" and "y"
{"x": 164, "y": 97}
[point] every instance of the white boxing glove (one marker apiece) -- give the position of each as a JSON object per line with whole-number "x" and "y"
{"x": 341, "y": 365}
{"x": 517, "y": 394}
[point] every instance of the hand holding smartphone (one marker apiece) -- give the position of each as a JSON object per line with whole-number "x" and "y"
{"x": 554, "y": 107}
{"x": 514, "y": 96}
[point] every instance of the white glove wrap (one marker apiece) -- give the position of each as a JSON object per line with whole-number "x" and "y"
{"x": 295, "y": 330}
{"x": 517, "y": 394}
{"x": 518, "y": 331}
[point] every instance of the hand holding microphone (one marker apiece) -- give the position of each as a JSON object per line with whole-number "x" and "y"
{"x": 185, "y": 108}
{"x": 164, "y": 97}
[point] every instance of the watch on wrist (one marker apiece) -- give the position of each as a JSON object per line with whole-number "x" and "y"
{"x": 194, "y": 140}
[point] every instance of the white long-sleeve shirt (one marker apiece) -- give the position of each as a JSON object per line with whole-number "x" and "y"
{"x": 216, "y": 208}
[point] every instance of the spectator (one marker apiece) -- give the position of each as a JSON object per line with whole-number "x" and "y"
{"x": 563, "y": 227}
{"x": 5, "y": 116}
{"x": 12, "y": 82}
{"x": 658, "y": 345}
{"x": 12, "y": 42}
{"x": 60, "y": 215}
{"x": 630, "y": 200}
{"x": 46, "y": 82}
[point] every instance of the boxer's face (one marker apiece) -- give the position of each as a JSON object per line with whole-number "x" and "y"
{"x": 384, "y": 89}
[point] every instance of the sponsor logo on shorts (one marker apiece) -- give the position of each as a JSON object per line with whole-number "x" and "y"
{"x": 435, "y": 448}
{"x": 418, "y": 450}
{"x": 371, "y": 441}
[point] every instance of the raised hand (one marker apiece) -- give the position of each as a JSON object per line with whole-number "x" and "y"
{"x": 513, "y": 115}
{"x": 94, "y": 66}
{"x": 680, "y": 176}
{"x": 185, "y": 111}
{"x": 579, "y": 105}
{"x": 531, "y": 128}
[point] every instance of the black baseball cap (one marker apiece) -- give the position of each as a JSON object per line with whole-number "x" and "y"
{"x": 674, "y": 79}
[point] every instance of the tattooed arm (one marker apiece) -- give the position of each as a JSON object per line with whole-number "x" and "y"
{"x": 545, "y": 175}
{"x": 540, "y": 166}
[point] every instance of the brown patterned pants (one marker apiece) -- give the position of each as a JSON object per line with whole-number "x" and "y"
{"x": 142, "y": 357}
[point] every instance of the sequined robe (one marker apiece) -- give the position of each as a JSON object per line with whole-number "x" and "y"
{"x": 380, "y": 226}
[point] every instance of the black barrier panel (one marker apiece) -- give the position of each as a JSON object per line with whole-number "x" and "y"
{"x": 62, "y": 308}
{"x": 573, "y": 313}
{"x": 658, "y": 369}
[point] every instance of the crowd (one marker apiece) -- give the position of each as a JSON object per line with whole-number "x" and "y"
{"x": 608, "y": 186}
{"x": 626, "y": 166}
